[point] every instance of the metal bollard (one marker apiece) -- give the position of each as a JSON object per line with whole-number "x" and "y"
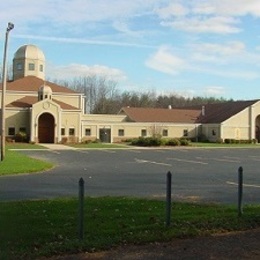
{"x": 240, "y": 191}
{"x": 81, "y": 209}
{"x": 168, "y": 198}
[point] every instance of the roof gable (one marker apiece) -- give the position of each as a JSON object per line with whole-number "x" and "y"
{"x": 220, "y": 112}
{"x": 28, "y": 101}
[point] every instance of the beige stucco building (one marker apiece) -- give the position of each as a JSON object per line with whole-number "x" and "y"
{"x": 50, "y": 113}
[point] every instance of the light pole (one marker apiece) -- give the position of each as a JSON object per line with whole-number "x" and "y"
{"x": 10, "y": 26}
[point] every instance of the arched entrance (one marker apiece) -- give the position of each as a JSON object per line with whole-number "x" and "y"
{"x": 257, "y": 128}
{"x": 46, "y": 128}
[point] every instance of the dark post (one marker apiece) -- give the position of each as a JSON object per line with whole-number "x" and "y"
{"x": 81, "y": 208}
{"x": 168, "y": 198}
{"x": 240, "y": 191}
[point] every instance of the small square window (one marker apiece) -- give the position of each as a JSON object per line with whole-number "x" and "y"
{"x": 62, "y": 131}
{"x": 143, "y": 132}
{"x": 121, "y": 132}
{"x": 88, "y": 132}
{"x": 19, "y": 66}
{"x": 185, "y": 132}
{"x": 31, "y": 66}
{"x": 11, "y": 131}
{"x": 72, "y": 131}
{"x": 165, "y": 132}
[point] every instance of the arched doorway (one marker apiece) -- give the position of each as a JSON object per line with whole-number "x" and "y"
{"x": 257, "y": 128}
{"x": 46, "y": 128}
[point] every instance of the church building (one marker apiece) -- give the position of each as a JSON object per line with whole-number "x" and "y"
{"x": 49, "y": 113}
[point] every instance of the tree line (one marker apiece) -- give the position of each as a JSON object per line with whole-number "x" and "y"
{"x": 104, "y": 97}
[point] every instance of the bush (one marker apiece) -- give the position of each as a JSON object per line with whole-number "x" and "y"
{"x": 184, "y": 142}
{"x": 20, "y": 137}
{"x": 173, "y": 142}
{"x": 148, "y": 141}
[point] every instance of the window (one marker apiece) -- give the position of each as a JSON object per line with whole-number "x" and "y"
{"x": 185, "y": 132}
{"x": 72, "y": 131}
{"x": 62, "y": 131}
{"x": 31, "y": 66}
{"x": 41, "y": 68}
{"x": 22, "y": 130}
{"x": 214, "y": 132}
{"x": 143, "y": 132}
{"x": 11, "y": 131}
{"x": 121, "y": 132}
{"x": 19, "y": 66}
{"x": 87, "y": 131}
{"x": 165, "y": 132}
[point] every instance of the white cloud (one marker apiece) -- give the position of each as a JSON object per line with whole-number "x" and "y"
{"x": 165, "y": 61}
{"x": 215, "y": 91}
{"x": 79, "y": 70}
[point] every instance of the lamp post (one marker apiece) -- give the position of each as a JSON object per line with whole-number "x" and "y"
{"x": 10, "y": 26}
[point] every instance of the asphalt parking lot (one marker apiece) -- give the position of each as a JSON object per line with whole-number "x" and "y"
{"x": 206, "y": 175}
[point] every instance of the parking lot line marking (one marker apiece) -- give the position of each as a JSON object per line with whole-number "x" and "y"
{"x": 188, "y": 161}
{"x": 246, "y": 185}
{"x": 226, "y": 160}
{"x": 151, "y": 162}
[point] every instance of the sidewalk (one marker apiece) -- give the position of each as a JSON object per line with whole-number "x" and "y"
{"x": 58, "y": 147}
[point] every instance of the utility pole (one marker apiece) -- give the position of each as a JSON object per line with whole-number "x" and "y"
{"x": 10, "y": 26}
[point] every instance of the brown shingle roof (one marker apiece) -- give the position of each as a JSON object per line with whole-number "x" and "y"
{"x": 214, "y": 113}
{"x": 161, "y": 115}
{"x": 217, "y": 113}
{"x": 32, "y": 83}
{"x": 28, "y": 101}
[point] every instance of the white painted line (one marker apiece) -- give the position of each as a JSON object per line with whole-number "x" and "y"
{"x": 151, "y": 162}
{"x": 187, "y": 161}
{"x": 225, "y": 160}
{"x": 246, "y": 185}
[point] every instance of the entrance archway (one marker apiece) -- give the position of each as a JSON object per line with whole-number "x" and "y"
{"x": 46, "y": 128}
{"x": 257, "y": 128}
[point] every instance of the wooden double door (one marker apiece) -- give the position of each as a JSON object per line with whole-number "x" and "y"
{"x": 46, "y": 128}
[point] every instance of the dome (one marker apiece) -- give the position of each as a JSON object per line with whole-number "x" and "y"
{"x": 29, "y": 52}
{"x": 45, "y": 89}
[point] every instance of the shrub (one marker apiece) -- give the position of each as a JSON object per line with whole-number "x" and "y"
{"x": 173, "y": 142}
{"x": 148, "y": 141}
{"x": 184, "y": 142}
{"x": 20, "y": 137}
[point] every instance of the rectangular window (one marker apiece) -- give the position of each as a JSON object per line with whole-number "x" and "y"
{"x": 11, "y": 131}
{"x": 165, "y": 132}
{"x": 72, "y": 131}
{"x": 41, "y": 68}
{"x": 121, "y": 132}
{"x": 31, "y": 66}
{"x": 185, "y": 132}
{"x": 88, "y": 132}
{"x": 62, "y": 131}
{"x": 19, "y": 66}
{"x": 214, "y": 132}
{"x": 22, "y": 130}
{"x": 143, "y": 133}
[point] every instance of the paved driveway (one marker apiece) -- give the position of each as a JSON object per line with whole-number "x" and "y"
{"x": 197, "y": 174}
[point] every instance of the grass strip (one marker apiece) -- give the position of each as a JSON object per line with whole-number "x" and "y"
{"x": 15, "y": 163}
{"x": 30, "y": 229}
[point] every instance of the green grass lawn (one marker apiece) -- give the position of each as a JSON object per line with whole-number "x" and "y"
{"x": 15, "y": 162}
{"x": 29, "y": 229}
{"x": 217, "y": 145}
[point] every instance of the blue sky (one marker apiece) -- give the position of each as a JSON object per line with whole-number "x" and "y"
{"x": 192, "y": 48}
